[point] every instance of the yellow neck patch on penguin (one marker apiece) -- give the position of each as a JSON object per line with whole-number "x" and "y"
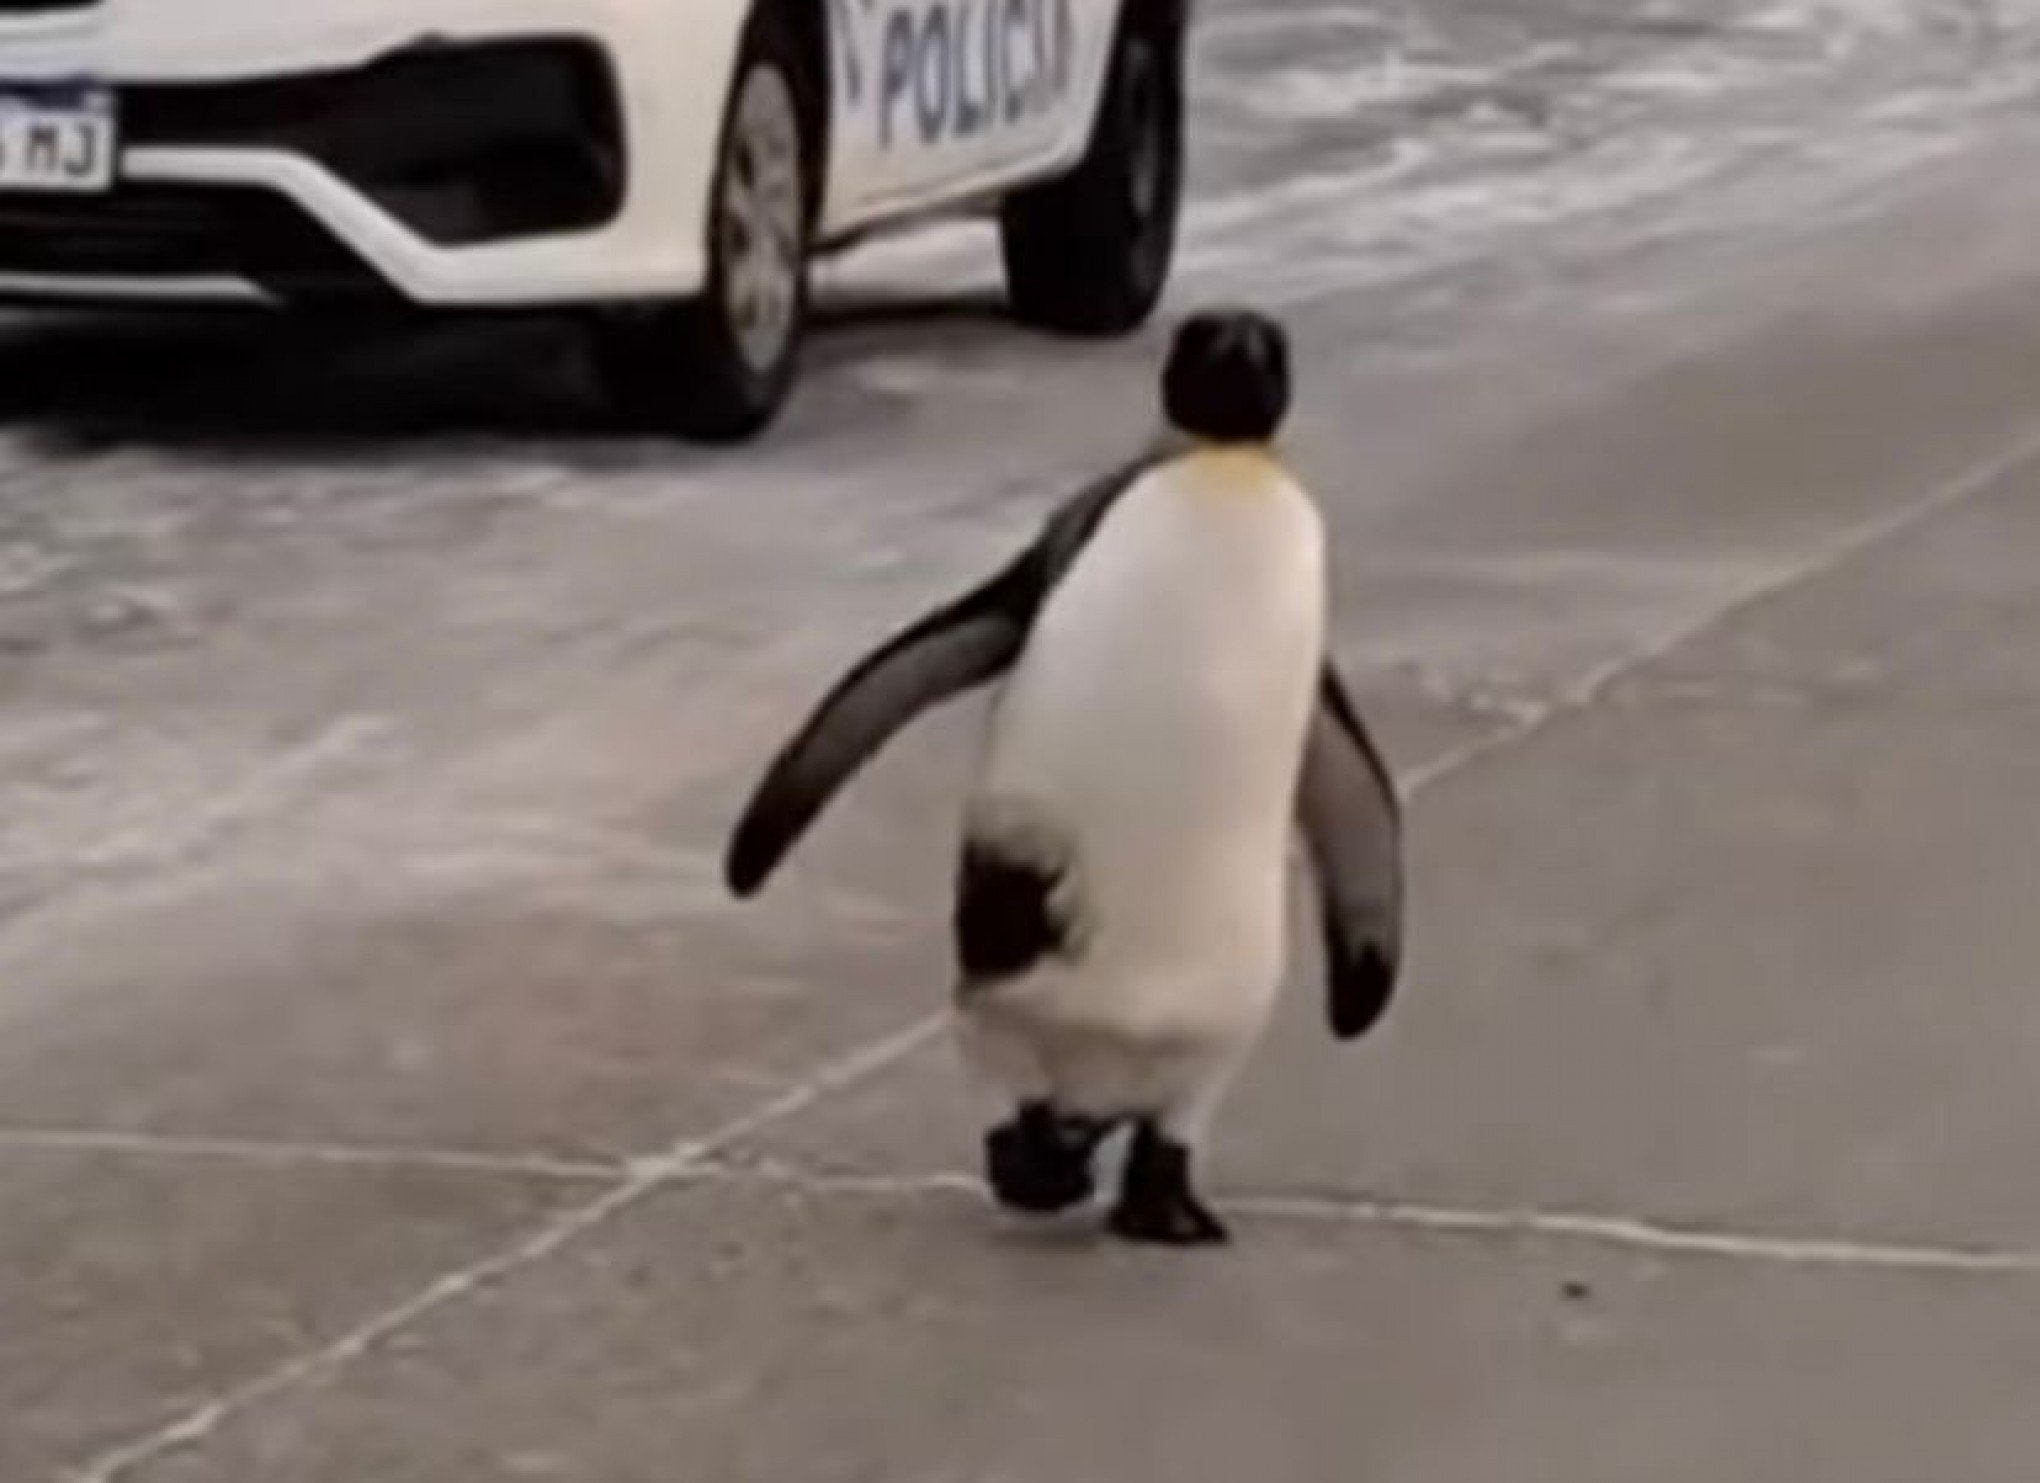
{"x": 1234, "y": 469}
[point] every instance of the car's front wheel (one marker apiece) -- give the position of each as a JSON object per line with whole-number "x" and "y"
{"x": 718, "y": 368}
{"x": 1089, "y": 253}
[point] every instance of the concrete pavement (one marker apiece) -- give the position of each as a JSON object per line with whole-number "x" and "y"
{"x": 387, "y": 1093}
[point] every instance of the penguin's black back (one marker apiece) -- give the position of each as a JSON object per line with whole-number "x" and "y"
{"x": 1227, "y": 377}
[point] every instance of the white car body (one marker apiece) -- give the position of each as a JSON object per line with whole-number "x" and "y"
{"x": 934, "y": 104}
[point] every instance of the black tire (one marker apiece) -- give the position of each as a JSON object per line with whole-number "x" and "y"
{"x": 1089, "y": 253}
{"x": 686, "y": 367}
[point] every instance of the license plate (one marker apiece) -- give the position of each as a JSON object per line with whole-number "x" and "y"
{"x": 57, "y": 138}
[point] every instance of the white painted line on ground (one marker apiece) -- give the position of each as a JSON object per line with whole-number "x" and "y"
{"x": 867, "y": 1062}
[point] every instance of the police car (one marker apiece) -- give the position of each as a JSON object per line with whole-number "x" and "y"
{"x": 666, "y": 169}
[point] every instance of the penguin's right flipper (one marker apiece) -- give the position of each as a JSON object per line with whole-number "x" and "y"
{"x": 1351, "y": 821}
{"x": 957, "y": 647}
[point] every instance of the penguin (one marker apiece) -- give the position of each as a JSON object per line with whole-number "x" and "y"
{"x": 1166, "y": 722}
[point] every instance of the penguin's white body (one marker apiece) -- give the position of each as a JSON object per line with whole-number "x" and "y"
{"x": 1156, "y": 722}
{"x": 1166, "y": 720}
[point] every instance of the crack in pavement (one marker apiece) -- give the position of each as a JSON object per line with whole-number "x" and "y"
{"x": 696, "y": 1156}
{"x": 1320, "y": 1207}
{"x": 1973, "y": 481}
{"x": 642, "y": 1178}
{"x": 1629, "y": 1232}
{"x": 1638, "y": 1232}
{"x": 294, "y": 1155}
{"x": 142, "y": 851}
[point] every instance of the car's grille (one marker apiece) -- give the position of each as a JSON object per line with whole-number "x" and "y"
{"x": 174, "y": 231}
{"x": 463, "y": 144}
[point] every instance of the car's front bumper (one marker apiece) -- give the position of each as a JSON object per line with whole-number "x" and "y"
{"x": 449, "y": 153}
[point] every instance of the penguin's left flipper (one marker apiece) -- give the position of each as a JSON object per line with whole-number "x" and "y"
{"x": 1351, "y": 821}
{"x": 959, "y": 646}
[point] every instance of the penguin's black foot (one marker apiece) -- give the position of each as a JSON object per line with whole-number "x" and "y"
{"x": 1040, "y": 1162}
{"x": 1157, "y": 1205}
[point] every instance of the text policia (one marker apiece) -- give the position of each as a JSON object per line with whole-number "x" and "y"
{"x": 955, "y": 69}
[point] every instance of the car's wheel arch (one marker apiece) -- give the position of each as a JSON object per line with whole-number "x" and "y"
{"x": 1167, "y": 21}
{"x": 807, "y": 23}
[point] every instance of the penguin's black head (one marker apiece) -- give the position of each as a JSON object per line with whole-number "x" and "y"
{"x": 1227, "y": 378}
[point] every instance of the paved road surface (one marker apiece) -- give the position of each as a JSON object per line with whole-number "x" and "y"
{"x": 387, "y": 1094}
